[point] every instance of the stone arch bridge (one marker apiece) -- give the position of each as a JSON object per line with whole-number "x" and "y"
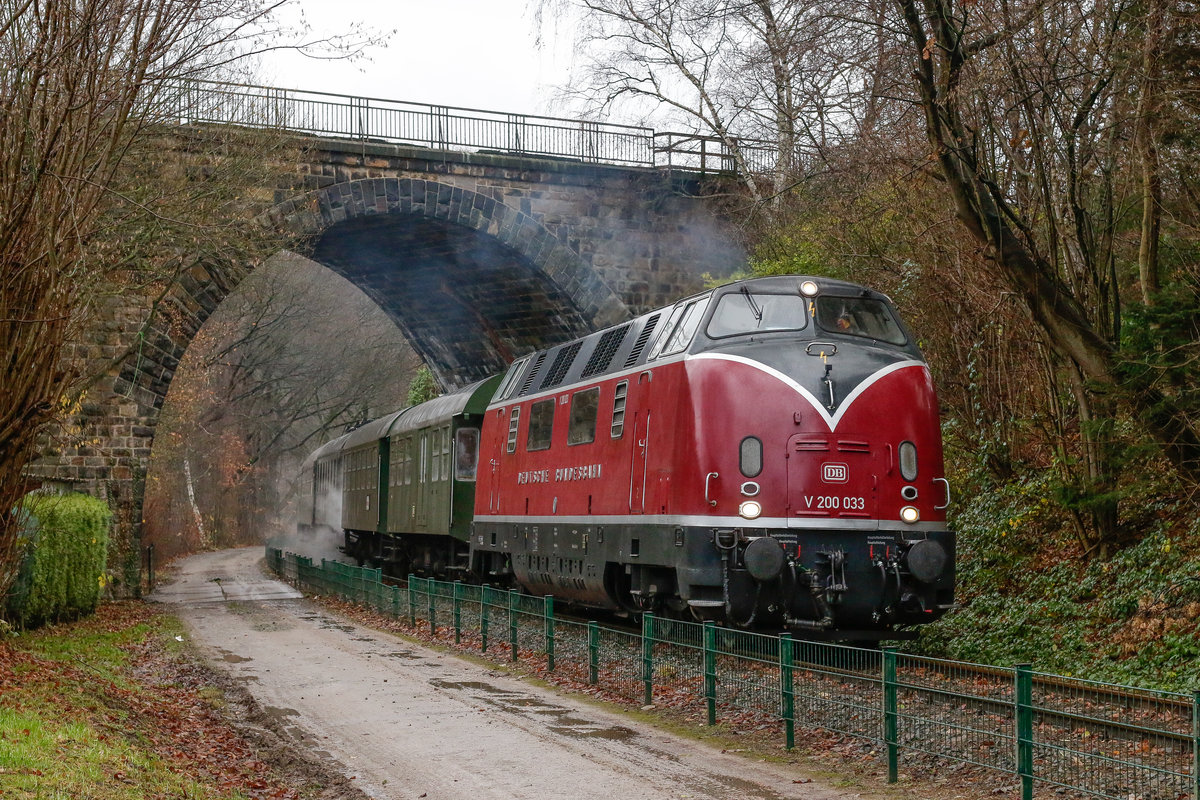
{"x": 478, "y": 257}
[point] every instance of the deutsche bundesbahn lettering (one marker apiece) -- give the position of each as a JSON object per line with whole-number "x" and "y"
{"x": 581, "y": 473}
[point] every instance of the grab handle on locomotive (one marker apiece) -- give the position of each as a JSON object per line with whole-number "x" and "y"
{"x": 946, "y": 483}
{"x": 832, "y": 349}
{"x": 707, "y": 479}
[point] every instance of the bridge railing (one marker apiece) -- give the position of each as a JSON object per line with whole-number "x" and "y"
{"x": 451, "y": 128}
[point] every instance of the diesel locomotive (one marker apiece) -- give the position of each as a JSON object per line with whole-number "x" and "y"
{"x": 765, "y": 454}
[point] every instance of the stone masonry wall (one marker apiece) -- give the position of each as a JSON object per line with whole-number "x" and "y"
{"x": 637, "y": 235}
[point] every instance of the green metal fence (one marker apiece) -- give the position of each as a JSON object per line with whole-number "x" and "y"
{"x": 1050, "y": 735}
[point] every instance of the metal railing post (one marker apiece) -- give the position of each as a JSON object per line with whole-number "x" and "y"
{"x": 890, "y": 726}
{"x": 458, "y": 612}
{"x": 412, "y": 601}
{"x": 647, "y": 659}
{"x": 710, "y": 671}
{"x": 593, "y": 652}
{"x": 548, "y": 612}
{"x": 1024, "y": 710}
{"x": 787, "y": 695}
{"x": 1196, "y": 746}
{"x": 431, "y": 597}
{"x": 512, "y": 621}
{"x": 483, "y": 618}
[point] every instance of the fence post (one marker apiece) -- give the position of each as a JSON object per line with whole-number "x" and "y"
{"x": 458, "y": 612}
{"x": 1024, "y": 690}
{"x": 594, "y": 652}
{"x": 548, "y": 610}
{"x": 512, "y": 621}
{"x": 431, "y": 597}
{"x": 890, "y": 727}
{"x": 710, "y": 671}
{"x": 1196, "y": 746}
{"x": 483, "y": 618}
{"x": 395, "y": 601}
{"x": 412, "y": 600}
{"x": 648, "y": 658}
{"x": 787, "y": 695}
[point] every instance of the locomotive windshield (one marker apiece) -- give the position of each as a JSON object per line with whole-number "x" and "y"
{"x": 859, "y": 316}
{"x": 745, "y": 312}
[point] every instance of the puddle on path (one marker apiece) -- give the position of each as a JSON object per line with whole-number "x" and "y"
{"x": 558, "y": 719}
{"x": 327, "y": 623}
{"x": 232, "y": 658}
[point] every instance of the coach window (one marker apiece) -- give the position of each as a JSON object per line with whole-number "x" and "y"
{"x": 466, "y": 453}
{"x": 541, "y": 425}
{"x": 435, "y": 449}
{"x": 446, "y": 453}
{"x": 423, "y": 471}
{"x": 584, "y": 407}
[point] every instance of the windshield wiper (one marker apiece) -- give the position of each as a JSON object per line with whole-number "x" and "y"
{"x": 754, "y": 307}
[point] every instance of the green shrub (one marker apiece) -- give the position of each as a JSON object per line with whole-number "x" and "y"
{"x": 65, "y": 551}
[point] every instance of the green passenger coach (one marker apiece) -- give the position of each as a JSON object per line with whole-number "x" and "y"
{"x": 411, "y": 472}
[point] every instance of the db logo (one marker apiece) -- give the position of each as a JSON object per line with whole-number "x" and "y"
{"x": 835, "y": 473}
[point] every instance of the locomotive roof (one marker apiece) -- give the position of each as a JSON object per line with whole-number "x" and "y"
{"x": 471, "y": 398}
{"x": 626, "y": 346}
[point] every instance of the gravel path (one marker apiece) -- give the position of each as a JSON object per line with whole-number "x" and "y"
{"x": 407, "y": 722}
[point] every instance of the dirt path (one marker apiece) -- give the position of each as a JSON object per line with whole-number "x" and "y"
{"x": 407, "y": 722}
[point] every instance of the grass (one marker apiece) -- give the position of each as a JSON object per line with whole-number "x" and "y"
{"x": 94, "y": 710}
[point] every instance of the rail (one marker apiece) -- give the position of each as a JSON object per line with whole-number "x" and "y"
{"x": 450, "y": 128}
{"x": 1048, "y": 734}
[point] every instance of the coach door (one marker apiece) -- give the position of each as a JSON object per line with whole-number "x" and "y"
{"x": 637, "y": 475}
{"x": 423, "y": 484}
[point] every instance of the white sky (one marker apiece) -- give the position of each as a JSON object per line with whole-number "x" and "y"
{"x": 477, "y": 54}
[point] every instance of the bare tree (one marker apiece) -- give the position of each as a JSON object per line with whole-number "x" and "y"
{"x": 1027, "y": 110}
{"x": 84, "y": 85}
{"x": 295, "y": 355}
{"x": 746, "y": 71}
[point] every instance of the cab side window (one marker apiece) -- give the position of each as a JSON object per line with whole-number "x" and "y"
{"x": 584, "y": 408}
{"x": 541, "y": 425}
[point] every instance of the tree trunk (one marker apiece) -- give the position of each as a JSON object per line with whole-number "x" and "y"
{"x": 940, "y": 59}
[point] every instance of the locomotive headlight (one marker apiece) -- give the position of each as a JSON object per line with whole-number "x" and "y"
{"x": 750, "y": 509}
{"x": 809, "y": 288}
{"x": 910, "y": 514}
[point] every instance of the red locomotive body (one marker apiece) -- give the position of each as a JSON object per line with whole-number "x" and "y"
{"x": 767, "y": 453}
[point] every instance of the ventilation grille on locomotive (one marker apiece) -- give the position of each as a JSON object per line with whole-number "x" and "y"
{"x": 640, "y": 344}
{"x": 562, "y": 363}
{"x": 533, "y": 371}
{"x": 602, "y": 356}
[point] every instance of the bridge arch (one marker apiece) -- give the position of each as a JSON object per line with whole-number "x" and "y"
{"x": 471, "y": 281}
